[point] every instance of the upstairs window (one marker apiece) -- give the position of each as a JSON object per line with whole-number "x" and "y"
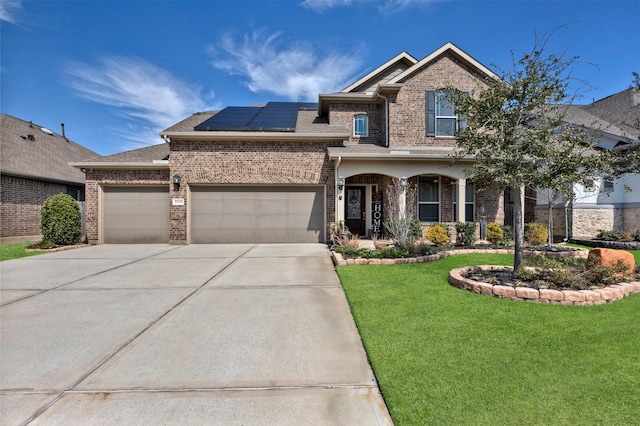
{"x": 360, "y": 125}
{"x": 441, "y": 117}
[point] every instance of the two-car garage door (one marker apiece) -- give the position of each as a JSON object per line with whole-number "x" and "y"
{"x": 263, "y": 214}
{"x": 218, "y": 214}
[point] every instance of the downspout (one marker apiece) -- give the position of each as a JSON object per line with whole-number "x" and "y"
{"x": 386, "y": 119}
{"x": 335, "y": 186}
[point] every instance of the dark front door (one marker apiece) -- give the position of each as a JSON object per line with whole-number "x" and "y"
{"x": 355, "y": 210}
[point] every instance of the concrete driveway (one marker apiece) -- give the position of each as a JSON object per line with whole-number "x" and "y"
{"x": 198, "y": 334}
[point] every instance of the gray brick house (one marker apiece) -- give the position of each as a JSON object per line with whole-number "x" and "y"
{"x": 282, "y": 172}
{"x": 33, "y": 166}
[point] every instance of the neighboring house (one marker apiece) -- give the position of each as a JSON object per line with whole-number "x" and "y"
{"x": 282, "y": 172}
{"x": 606, "y": 205}
{"x": 33, "y": 166}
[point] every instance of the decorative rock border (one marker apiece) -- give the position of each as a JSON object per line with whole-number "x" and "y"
{"x": 599, "y": 296}
{"x": 339, "y": 260}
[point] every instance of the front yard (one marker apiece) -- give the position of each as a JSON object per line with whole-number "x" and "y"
{"x": 450, "y": 357}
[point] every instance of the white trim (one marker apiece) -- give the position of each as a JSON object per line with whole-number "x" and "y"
{"x": 402, "y": 56}
{"x": 448, "y": 46}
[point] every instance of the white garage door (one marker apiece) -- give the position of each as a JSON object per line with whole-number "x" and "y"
{"x": 136, "y": 215}
{"x": 277, "y": 214}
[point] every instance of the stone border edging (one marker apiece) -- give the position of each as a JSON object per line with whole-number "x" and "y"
{"x": 339, "y": 260}
{"x": 599, "y": 296}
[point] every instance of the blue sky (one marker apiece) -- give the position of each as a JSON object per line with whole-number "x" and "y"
{"x": 118, "y": 72}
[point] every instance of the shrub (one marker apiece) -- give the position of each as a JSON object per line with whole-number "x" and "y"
{"x": 613, "y": 236}
{"x": 466, "y": 233}
{"x": 347, "y": 240}
{"x": 61, "y": 220}
{"x": 415, "y": 229}
{"x": 536, "y": 233}
{"x": 404, "y": 230}
{"x": 439, "y": 235}
{"x": 495, "y": 233}
{"x": 636, "y": 235}
{"x": 507, "y": 233}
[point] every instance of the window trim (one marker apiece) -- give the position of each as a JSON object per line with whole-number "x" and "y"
{"x": 438, "y": 192}
{"x": 432, "y": 118}
{"x": 365, "y": 119}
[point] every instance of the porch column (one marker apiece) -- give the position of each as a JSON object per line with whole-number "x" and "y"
{"x": 460, "y": 202}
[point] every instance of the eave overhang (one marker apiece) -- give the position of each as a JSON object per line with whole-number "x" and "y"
{"x": 374, "y": 97}
{"x": 121, "y": 165}
{"x": 42, "y": 178}
{"x": 255, "y": 136}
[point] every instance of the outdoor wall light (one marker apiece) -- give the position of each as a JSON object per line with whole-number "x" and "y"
{"x": 176, "y": 182}
{"x": 340, "y": 183}
{"x": 403, "y": 182}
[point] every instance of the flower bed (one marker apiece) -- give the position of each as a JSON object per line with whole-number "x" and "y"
{"x": 598, "y": 296}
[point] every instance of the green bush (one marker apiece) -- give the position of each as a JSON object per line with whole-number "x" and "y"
{"x": 536, "y": 233}
{"x": 614, "y": 236}
{"x": 466, "y": 233}
{"x": 636, "y": 235}
{"x": 61, "y": 220}
{"x": 507, "y": 233}
{"x": 439, "y": 235}
{"x": 415, "y": 229}
{"x": 495, "y": 233}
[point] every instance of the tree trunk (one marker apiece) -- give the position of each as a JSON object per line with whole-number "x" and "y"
{"x": 518, "y": 227}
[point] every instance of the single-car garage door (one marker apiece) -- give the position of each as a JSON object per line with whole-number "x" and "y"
{"x": 275, "y": 214}
{"x": 136, "y": 215}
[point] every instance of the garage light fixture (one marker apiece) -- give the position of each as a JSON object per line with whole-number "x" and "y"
{"x": 176, "y": 182}
{"x": 403, "y": 182}
{"x": 340, "y": 183}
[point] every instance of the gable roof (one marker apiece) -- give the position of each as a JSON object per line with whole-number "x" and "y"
{"x": 447, "y": 47}
{"x": 389, "y": 69}
{"x": 149, "y": 157}
{"x": 32, "y": 151}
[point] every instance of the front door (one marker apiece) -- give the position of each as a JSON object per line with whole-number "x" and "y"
{"x": 355, "y": 210}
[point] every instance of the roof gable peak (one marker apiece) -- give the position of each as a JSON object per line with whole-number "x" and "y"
{"x": 402, "y": 57}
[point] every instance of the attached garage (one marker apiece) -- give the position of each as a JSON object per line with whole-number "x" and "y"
{"x": 135, "y": 215}
{"x": 262, "y": 214}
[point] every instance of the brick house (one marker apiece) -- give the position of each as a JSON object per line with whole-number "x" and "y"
{"x": 33, "y": 166}
{"x": 283, "y": 171}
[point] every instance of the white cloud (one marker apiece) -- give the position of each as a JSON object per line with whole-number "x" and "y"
{"x": 146, "y": 94}
{"x": 296, "y": 71}
{"x": 321, "y": 6}
{"x": 8, "y": 10}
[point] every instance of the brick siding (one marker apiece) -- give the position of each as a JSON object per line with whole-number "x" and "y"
{"x": 407, "y": 113}
{"x": 282, "y": 163}
{"x": 344, "y": 113}
{"x": 20, "y": 203}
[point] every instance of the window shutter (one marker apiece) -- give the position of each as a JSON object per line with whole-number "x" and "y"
{"x": 431, "y": 112}
{"x": 462, "y": 120}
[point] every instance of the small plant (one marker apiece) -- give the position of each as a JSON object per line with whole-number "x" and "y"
{"x": 636, "y": 235}
{"x": 506, "y": 235}
{"x": 495, "y": 233}
{"x": 338, "y": 230}
{"x": 614, "y": 236}
{"x": 466, "y": 233}
{"x": 415, "y": 229}
{"x": 439, "y": 235}
{"x": 61, "y": 220}
{"x": 348, "y": 241}
{"x": 536, "y": 233}
{"x": 377, "y": 243}
{"x": 41, "y": 245}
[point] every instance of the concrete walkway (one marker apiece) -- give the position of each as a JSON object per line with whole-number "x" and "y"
{"x": 197, "y": 334}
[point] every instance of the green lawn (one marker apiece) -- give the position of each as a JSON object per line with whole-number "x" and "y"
{"x": 15, "y": 251}
{"x": 444, "y": 356}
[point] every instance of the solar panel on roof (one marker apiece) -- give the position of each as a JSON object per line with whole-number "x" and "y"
{"x": 273, "y": 117}
{"x": 230, "y": 119}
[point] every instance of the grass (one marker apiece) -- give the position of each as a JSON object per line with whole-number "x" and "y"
{"x": 449, "y": 357}
{"x": 15, "y": 251}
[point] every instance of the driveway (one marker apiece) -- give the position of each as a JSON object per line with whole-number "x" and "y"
{"x": 199, "y": 334}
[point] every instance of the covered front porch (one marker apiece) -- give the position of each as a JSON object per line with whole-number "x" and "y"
{"x": 433, "y": 190}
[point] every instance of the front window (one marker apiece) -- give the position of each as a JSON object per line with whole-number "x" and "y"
{"x": 469, "y": 207}
{"x": 428, "y": 199}
{"x": 441, "y": 117}
{"x": 360, "y": 125}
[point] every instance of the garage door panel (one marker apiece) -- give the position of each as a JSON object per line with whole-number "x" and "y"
{"x": 257, "y": 214}
{"x": 136, "y": 215}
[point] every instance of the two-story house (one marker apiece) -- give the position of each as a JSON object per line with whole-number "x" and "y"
{"x": 284, "y": 171}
